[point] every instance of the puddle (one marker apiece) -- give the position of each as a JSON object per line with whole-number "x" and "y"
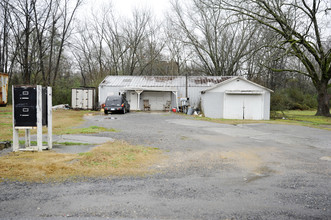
{"x": 73, "y": 149}
{"x": 327, "y": 158}
{"x": 111, "y": 118}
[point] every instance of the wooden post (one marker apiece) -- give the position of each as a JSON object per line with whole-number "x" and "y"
{"x": 49, "y": 118}
{"x": 15, "y": 131}
{"x": 27, "y": 138}
{"x": 39, "y": 119}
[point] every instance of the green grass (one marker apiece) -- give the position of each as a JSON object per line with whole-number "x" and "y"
{"x": 306, "y": 118}
{"x": 54, "y": 143}
{"x": 32, "y": 142}
{"x": 69, "y": 143}
{"x": 293, "y": 117}
{"x": 89, "y": 130}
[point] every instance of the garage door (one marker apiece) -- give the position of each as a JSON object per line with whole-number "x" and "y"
{"x": 157, "y": 99}
{"x": 238, "y": 106}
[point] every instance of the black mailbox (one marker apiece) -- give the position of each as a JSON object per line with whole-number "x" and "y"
{"x": 25, "y": 106}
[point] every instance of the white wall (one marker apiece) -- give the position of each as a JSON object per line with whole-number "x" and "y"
{"x": 237, "y": 84}
{"x": 216, "y": 103}
{"x": 266, "y": 107}
{"x": 212, "y": 104}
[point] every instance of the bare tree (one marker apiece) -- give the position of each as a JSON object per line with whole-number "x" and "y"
{"x": 220, "y": 47}
{"x": 4, "y": 34}
{"x": 42, "y": 16}
{"x": 67, "y": 16}
{"x": 299, "y": 24}
{"x": 178, "y": 51}
{"x": 135, "y": 32}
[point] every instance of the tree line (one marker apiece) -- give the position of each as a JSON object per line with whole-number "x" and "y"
{"x": 281, "y": 44}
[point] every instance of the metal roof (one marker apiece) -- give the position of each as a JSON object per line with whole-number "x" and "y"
{"x": 234, "y": 78}
{"x": 162, "y": 81}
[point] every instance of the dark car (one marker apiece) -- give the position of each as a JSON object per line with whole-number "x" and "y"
{"x": 116, "y": 104}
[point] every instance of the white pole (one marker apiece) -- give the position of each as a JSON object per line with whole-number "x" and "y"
{"x": 15, "y": 131}
{"x": 138, "y": 92}
{"x": 39, "y": 119}
{"x": 49, "y": 118}
{"x": 176, "y": 94}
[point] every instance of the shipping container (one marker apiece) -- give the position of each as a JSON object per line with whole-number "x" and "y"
{"x": 3, "y": 89}
{"x": 83, "y": 98}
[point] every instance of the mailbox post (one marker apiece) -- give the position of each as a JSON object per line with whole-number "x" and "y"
{"x": 32, "y": 108}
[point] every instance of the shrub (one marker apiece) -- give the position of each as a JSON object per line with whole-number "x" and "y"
{"x": 292, "y": 99}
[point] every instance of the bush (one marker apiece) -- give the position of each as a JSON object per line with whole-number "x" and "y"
{"x": 292, "y": 99}
{"x": 62, "y": 90}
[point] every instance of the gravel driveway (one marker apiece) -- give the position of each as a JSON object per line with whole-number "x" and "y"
{"x": 213, "y": 171}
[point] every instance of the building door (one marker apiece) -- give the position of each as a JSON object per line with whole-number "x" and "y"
{"x": 237, "y": 106}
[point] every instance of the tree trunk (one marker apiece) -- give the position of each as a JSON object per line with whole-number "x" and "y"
{"x": 323, "y": 99}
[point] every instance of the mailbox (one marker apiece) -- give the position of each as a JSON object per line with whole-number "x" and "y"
{"x": 25, "y": 106}
{"x": 32, "y": 107}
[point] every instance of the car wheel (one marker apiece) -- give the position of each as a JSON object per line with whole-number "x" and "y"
{"x": 106, "y": 112}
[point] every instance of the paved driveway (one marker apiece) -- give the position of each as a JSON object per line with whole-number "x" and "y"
{"x": 213, "y": 171}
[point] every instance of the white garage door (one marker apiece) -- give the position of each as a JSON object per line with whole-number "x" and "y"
{"x": 243, "y": 106}
{"x": 156, "y": 99}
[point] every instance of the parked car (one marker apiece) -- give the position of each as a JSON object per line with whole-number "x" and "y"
{"x": 116, "y": 104}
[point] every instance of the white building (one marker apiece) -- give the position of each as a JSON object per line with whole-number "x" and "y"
{"x": 158, "y": 90}
{"x": 236, "y": 98}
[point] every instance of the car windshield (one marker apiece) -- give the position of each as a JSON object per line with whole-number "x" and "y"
{"x": 113, "y": 101}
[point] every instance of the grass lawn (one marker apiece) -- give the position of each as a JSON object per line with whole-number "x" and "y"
{"x": 63, "y": 123}
{"x": 303, "y": 118}
{"x": 110, "y": 159}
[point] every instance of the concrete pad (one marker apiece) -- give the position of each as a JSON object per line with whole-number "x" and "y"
{"x": 73, "y": 149}
{"x": 84, "y": 139}
{"x": 89, "y": 141}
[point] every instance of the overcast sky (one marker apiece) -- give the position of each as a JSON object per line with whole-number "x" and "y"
{"x": 125, "y": 7}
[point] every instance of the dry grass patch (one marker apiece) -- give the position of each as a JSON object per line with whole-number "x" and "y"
{"x": 111, "y": 159}
{"x": 63, "y": 121}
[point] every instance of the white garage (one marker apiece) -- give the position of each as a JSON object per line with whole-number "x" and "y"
{"x": 236, "y": 98}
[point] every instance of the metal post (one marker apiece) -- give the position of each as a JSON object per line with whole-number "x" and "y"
{"x": 49, "y": 119}
{"x": 186, "y": 93}
{"x": 176, "y": 95}
{"x": 138, "y": 92}
{"x": 39, "y": 119}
